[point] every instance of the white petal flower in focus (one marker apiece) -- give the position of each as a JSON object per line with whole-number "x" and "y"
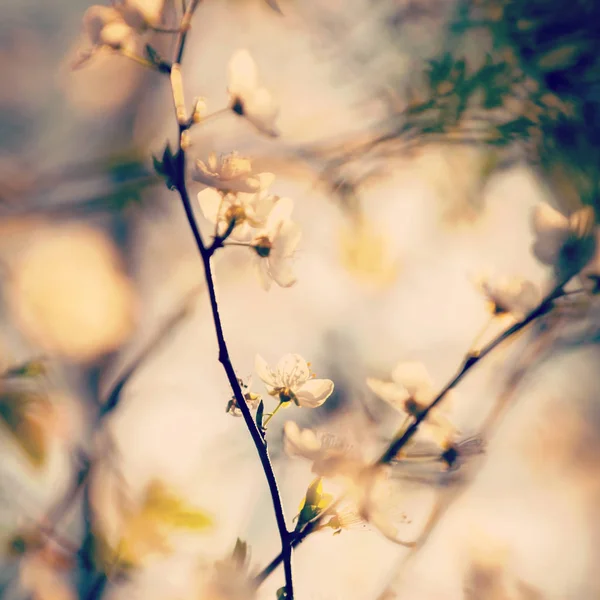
{"x": 512, "y": 295}
{"x": 248, "y": 210}
{"x": 275, "y": 246}
{"x": 411, "y": 391}
{"x": 248, "y": 98}
{"x": 566, "y": 244}
{"x": 230, "y": 173}
{"x": 292, "y": 380}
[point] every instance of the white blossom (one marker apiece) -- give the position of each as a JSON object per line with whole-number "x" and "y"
{"x": 328, "y": 459}
{"x": 510, "y": 295}
{"x": 410, "y": 392}
{"x": 105, "y": 26}
{"x": 133, "y": 13}
{"x": 274, "y": 246}
{"x": 248, "y": 98}
{"x": 565, "y": 243}
{"x": 230, "y": 173}
{"x": 292, "y": 381}
{"x": 242, "y": 210}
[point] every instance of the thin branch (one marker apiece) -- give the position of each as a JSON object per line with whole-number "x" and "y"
{"x": 224, "y": 359}
{"x": 206, "y": 253}
{"x": 397, "y": 444}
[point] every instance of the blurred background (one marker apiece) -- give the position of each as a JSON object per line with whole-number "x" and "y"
{"x": 416, "y": 137}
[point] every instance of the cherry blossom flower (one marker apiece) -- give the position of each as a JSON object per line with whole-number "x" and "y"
{"x": 275, "y": 245}
{"x": 241, "y": 211}
{"x": 292, "y": 381}
{"x": 410, "y": 392}
{"x": 230, "y": 173}
{"x": 105, "y": 26}
{"x": 565, "y": 243}
{"x": 248, "y": 98}
{"x": 510, "y": 295}
{"x": 329, "y": 457}
{"x": 133, "y": 14}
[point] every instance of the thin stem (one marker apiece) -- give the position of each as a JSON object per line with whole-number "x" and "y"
{"x": 184, "y": 27}
{"x": 266, "y": 421}
{"x": 470, "y": 361}
{"x": 399, "y": 442}
{"x": 138, "y": 59}
{"x": 217, "y": 113}
{"x": 225, "y": 360}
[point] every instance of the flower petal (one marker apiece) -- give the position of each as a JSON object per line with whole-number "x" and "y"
{"x": 264, "y": 371}
{"x": 282, "y": 211}
{"x": 545, "y": 219}
{"x": 287, "y": 238}
{"x": 281, "y": 271}
{"x": 300, "y": 442}
{"x": 210, "y": 202}
{"x": 262, "y": 270}
{"x": 292, "y": 371}
{"x": 314, "y": 392}
{"x": 391, "y": 392}
{"x": 242, "y": 73}
{"x": 414, "y": 377}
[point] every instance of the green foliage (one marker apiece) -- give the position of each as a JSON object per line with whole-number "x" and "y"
{"x": 167, "y": 167}
{"x": 313, "y": 504}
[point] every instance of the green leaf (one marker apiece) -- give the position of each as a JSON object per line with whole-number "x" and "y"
{"x": 166, "y": 167}
{"x": 314, "y": 502}
{"x": 259, "y": 416}
{"x": 282, "y": 593}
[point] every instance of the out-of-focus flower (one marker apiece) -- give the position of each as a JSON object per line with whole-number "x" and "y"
{"x": 328, "y": 459}
{"x": 229, "y": 173}
{"x": 248, "y": 98}
{"x": 133, "y": 528}
{"x": 240, "y": 211}
{"x": 292, "y": 381}
{"x": 365, "y": 252}
{"x": 70, "y": 295}
{"x": 566, "y": 244}
{"x": 368, "y": 497}
{"x": 105, "y": 26}
{"x": 510, "y": 295}
{"x": 274, "y": 246}
{"x": 135, "y": 14}
{"x": 410, "y": 392}
{"x": 230, "y": 579}
{"x": 42, "y": 580}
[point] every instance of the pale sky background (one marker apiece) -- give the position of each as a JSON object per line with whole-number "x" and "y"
{"x": 531, "y": 509}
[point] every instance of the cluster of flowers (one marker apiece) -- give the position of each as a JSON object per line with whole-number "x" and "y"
{"x": 239, "y": 205}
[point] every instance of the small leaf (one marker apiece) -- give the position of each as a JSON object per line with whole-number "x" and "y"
{"x": 259, "y": 416}
{"x": 282, "y": 593}
{"x": 166, "y": 167}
